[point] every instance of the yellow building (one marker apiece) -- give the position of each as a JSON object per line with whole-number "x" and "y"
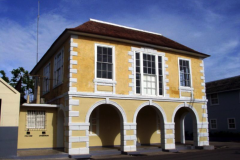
{"x": 109, "y": 85}
{"x": 9, "y": 117}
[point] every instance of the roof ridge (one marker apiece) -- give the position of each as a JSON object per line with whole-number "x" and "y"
{"x": 224, "y": 79}
{"x": 113, "y": 24}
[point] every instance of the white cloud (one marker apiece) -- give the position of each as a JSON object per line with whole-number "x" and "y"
{"x": 18, "y": 43}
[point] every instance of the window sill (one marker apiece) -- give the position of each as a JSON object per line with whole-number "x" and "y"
{"x": 186, "y": 88}
{"x": 108, "y": 81}
{"x": 35, "y": 129}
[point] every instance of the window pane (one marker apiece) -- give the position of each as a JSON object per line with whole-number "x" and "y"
{"x": 109, "y": 75}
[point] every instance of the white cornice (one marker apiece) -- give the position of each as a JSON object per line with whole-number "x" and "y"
{"x": 39, "y": 105}
{"x": 134, "y": 97}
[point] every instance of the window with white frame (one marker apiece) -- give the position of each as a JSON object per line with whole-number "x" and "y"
{"x": 36, "y": 119}
{"x": 58, "y": 68}
{"x": 104, "y": 62}
{"x": 214, "y": 99}
{"x": 148, "y": 74}
{"x": 46, "y": 77}
{"x": 231, "y": 123}
{"x": 185, "y": 74}
{"x": 94, "y": 122}
{"x": 213, "y": 124}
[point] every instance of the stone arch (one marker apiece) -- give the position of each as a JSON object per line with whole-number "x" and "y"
{"x": 187, "y": 106}
{"x": 195, "y": 119}
{"x": 149, "y": 104}
{"x": 119, "y": 109}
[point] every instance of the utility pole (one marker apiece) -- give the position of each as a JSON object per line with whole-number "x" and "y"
{"x": 37, "y": 31}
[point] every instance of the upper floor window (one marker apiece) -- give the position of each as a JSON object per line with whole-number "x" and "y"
{"x": 148, "y": 75}
{"x": 46, "y": 77}
{"x": 36, "y": 119}
{"x": 185, "y": 74}
{"x": 58, "y": 68}
{"x": 213, "y": 124}
{"x": 104, "y": 62}
{"x": 231, "y": 123}
{"x": 214, "y": 99}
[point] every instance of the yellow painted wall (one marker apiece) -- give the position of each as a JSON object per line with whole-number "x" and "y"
{"x": 105, "y": 88}
{"x": 173, "y": 76}
{"x": 35, "y": 141}
{"x": 109, "y": 128}
{"x": 86, "y": 55}
{"x": 147, "y": 126}
{"x": 10, "y": 105}
{"x": 64, "y": 87}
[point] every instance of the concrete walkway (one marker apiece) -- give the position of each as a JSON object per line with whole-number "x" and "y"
{"x": 114, "y": 152}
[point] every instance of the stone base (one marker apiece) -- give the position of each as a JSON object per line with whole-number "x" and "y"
{"x": 170, "y": 150}
{"x": 134, "y": 153}
{"x": 80, "y": 156}
{"x": 210, "y": 147}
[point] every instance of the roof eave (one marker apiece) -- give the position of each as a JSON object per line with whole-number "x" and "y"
{"x": 51, "y": 50}
{"x": 201, "y": 55}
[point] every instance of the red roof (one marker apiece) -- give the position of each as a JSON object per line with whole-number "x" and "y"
{"x": 105, "y": 29}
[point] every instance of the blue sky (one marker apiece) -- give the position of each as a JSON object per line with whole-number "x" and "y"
{"x": 211, "y": 27}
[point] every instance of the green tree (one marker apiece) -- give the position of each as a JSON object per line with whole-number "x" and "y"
{"x": 27, "y": 82}
{"x": 4, "y": 77}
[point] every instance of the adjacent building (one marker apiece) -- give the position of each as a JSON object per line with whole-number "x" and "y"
{"x": 224, "y": 105}
{"x": 102, "y": 84}
{"x": 9, "y": 119}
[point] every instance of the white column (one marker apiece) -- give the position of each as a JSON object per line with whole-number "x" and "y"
{"x": 168, "y": 140}
{"x": 84, "y": 139}
{"x": 128, "y": 137}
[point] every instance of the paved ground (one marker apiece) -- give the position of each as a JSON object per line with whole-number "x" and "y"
{"x": 223, "y": 150}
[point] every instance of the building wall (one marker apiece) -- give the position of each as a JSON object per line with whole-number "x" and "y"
{"x": 9, "y": 110}
{"x": 62, "y": 88}
{"x": 83, "y": 106}
{"x": 86, "y": 67}
{"x": 36, "y": 139}
{"x": 228, "y": 107}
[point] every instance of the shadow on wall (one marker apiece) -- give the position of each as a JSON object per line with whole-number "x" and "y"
{"x": 109, "y": 125}
{"x": 147, "y": 126}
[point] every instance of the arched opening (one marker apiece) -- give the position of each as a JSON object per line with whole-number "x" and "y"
{"x": 180, "y": 120}
{"x": 150, "y": 126}
{"x": 106, "y": 122}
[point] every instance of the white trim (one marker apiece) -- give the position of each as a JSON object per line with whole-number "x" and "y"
{"x": 154, "y": 53}
{"x": 120, "y": 109}
{"x": 113, "y": 24}
{"x": 39, "y": 105}
{"x": 234, "y": 123}
{"x": 188, "y": 106}
{"x": 147, "y": 104}
{"x": 134, "y": 97}
{"x": 190, "y": 71}
{"x": 102, "y": 81}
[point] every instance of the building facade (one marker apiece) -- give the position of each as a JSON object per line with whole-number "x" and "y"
{"x": 224, "y": 105}
{"x": 110, "y": 85}
{"x": 9, "y": 118}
